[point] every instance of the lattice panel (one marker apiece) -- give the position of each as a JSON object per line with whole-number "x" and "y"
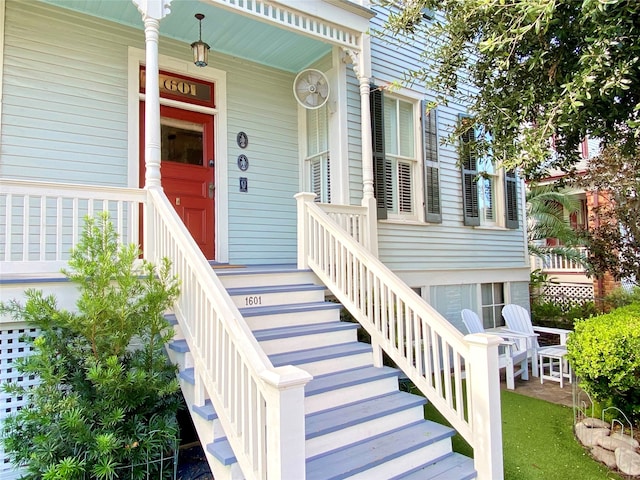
{"x": 12, "y": 347}
{"x": 573, "y": 292}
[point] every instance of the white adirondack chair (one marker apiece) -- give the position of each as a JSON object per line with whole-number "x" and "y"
{"x": 518, "y": 321}
{"x": 512, "y": 351}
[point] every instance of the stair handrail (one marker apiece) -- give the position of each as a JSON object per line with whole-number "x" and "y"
{"x": 260, "y": 407}
{"x": 422, "y": 343}
{"x": 271, "y": 395}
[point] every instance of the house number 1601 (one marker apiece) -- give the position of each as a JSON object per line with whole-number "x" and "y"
{"x": 250, "y": 301}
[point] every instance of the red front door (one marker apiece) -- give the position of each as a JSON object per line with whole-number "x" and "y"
{"x": 187, "y": 170}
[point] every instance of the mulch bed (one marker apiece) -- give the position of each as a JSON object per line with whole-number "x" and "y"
{"x": 192, "y": 464}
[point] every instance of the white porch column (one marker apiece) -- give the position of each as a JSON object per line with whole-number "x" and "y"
{"x": 362, "y": 68}
{"x": 152, "y": 12}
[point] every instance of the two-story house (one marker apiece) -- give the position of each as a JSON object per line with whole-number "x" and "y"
{"x": 287, "y": 162}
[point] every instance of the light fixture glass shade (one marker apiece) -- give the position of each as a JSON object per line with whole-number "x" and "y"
{"x": 200, "y": 53}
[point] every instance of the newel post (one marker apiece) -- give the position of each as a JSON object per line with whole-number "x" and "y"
{"x": 285, "y": 422}
{"x": 303, "y": 228}
{"x": 483, "y": 382}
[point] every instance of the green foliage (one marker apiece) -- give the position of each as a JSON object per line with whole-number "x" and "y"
{"x": 538, "y": 279}
{"x": 107, "y": 395}
{"x": 560, "y": 314}
{"x": 614, "y": 236}
{"x": 621, "y": 297}
{"x": 604, "y": 352}
{"x": 532, "y": 70}
{"x": 546, "y": 207}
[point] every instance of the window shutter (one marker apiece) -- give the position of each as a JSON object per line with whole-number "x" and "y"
{"x": 380, "y": 178}
{"x": 316, "y": 179}
{"x": 328, "y": 179}
{"x": 469, "y": 178}
{"x": 404, "y": 188}
{"x": 511, "y": 199}
{"x": 432, "y": 204}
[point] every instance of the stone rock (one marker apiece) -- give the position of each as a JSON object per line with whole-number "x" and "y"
{"x": 605, "y": 456}
{"x": 589, "y": 436}
{"x": 632, "y": 442}
{"x": 628, "y": 461}
{"x": 611, "y": 443}
{"x": 595, "y": 423}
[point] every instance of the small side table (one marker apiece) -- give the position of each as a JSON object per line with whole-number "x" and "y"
{"x": 553, "y": 365}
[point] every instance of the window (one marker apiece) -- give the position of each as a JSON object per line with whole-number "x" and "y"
{"x": 317, "y": 163}
{"x": 395, "y": 156}
{"x": 483, "y": 185}
{"x": 492, "y": 297}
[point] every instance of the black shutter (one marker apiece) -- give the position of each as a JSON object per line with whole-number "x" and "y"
{"x": 511, "y": 199}
{"x": 469, "y": 163}
{"x": 376, "y": 101}
{"x": 432, "y": 204}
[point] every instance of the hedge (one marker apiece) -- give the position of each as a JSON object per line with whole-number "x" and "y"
{"x": 604, "y": 352}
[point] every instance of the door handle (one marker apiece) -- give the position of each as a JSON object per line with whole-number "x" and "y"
{"x": 212, "y": 188}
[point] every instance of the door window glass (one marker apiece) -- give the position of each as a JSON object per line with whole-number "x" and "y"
{"x": 181, "y": 141}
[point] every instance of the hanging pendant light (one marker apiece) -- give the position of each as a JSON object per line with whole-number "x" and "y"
{"x": 200, "y": 49}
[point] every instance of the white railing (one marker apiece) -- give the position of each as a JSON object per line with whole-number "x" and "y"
{"x": 40, "y": 222}
{"x": 261, "y": 407}
{"x": 295, "y": 20}
{"x": 556, "y": 263}
{"x": 459, "y": 375}
{"x": 352, "y": 218}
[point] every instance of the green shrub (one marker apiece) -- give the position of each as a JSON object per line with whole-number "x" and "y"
{"x": 107, "y": 396}
{"x": 546, "y": 311}
{"x": 604, "y": 352}
{"x": 621, "y": 297}
{"x": 559, "y": 314}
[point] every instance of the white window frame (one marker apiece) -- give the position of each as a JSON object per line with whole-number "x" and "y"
{"x": 317, "y": 165}
{"x": 491, "y": 322}
{"x": 395, "y": 160}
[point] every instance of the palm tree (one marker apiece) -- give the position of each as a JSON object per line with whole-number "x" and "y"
{"x": 547, "y": 213}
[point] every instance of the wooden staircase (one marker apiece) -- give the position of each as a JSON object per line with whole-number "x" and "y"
{"x": 358, "y": 423}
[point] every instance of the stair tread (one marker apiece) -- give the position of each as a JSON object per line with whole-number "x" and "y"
{"x": 260, "y": 269}
{"x": 288, "y": 308}
{"x": 221, "y": 449}
{"x": 331, "y": 381}
{"x": 206, "y": 411}
{"x": 334, "y": 419}
{"x": 298, "y": 287}
{"x": 299, "y": 357}
{"x": 359, "y": 457}
{"x": 188, "y": 374}
{"x": 299, "y": 330}
{"x": 179, "y": 346}
{"x": 453, "y": 466}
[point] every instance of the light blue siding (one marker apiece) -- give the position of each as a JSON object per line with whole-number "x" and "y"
{"x": 64, "y": 99}
{"x": 355, "y": 138}
{"x": 418, "y": 246}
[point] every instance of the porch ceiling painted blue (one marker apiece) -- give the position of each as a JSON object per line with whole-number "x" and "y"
{"x": 224, "y": 31}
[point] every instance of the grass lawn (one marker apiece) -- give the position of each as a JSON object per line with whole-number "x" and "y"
{"x": 538, "y": 442}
